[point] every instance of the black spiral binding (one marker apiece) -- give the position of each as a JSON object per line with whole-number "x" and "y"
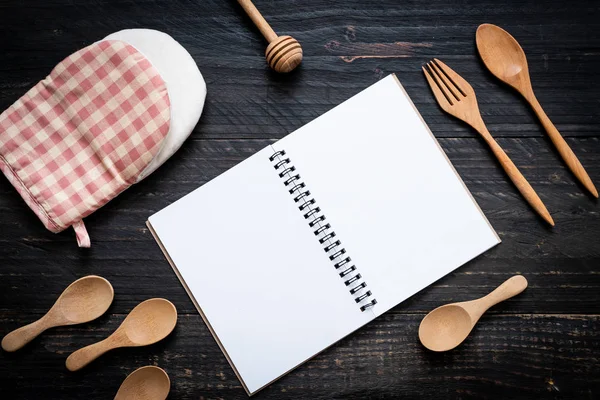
{"x": 322, "y": 230}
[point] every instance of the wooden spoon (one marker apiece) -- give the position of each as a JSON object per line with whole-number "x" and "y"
{"x": 505, "y": 58}
{"x": 82, "y": 301}
{"x": 149, "y": 322}
{"x": 146, "y": 383}
{"x": 448, "y": 326}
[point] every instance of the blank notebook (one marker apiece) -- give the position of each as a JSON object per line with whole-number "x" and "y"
{"x": 321, "y": 232}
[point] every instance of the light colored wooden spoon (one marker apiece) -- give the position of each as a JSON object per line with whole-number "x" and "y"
{"x": 448, "y": 326}
{"x": 505, "y": 58}
{"x": 149, "y": 322}
{"x": 82, "y": 301}
{"x": 146, "y": 383}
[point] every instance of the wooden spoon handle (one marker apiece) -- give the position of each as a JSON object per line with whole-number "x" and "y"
{"x": 23, "y": 335}
{"x": 563, "y": 148}
{"x": 86, "y": 355}
{"x": 258, "y": 20}
{"x": 511, "y": 287}
{"x": 518, "y": 179}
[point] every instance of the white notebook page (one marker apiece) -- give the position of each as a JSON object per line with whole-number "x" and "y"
{"x": 389, "y": 192}
{"x": 261, "y": 280}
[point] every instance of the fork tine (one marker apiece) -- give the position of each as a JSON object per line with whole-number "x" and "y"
{"x": 451, "y": 86}
{"x": 458, "y": 81}
{"x": 441, "y": 97}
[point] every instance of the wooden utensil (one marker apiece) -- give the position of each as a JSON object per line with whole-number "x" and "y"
{"x": 82, "y": 301}
{"x": 149, "y": 322}
{"x": 505, "y": 58}
{"x": 284, "y": 53}
{"x": 448, "y": 326}
{"x": 146, "y": 383}
{"x": 457, "y": 98}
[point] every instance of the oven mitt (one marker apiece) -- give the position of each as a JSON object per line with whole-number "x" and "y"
{"x": 105, "y": 118}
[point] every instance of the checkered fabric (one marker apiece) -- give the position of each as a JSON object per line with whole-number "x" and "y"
{"x": 83, "y": 135}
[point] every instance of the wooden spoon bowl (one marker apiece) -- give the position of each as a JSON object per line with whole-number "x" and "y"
{"x": 503, "y": 55}
{"x": 86, "y": 299}
{"x": 82, "y": 301}
{"x": 445, "y": 327}
{"x": 151, "y": 322}
{"x": 146, "y": 383}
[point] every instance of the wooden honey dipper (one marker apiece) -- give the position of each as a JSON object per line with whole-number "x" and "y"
{"x": 284, "y": 53}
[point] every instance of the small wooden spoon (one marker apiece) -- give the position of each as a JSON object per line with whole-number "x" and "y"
{"x": 82, "y": 301}
{"x": 149, "y": 322}
{"x": 146, "y": 383}
{"x": 448, "y": 326}
{"x": 505, "y": 58}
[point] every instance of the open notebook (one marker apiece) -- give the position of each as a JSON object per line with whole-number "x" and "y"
{"x": 321, "y": 232}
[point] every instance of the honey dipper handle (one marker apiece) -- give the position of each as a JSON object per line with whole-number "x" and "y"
{"x": 258, "y": 20}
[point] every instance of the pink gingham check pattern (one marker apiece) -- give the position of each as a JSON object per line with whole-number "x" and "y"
{"x": 83, "y": 135}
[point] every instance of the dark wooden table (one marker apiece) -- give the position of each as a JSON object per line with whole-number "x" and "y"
{"x": 543, "y": 344}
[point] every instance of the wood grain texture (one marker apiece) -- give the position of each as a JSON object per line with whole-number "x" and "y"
{"x": 543, "y": 344}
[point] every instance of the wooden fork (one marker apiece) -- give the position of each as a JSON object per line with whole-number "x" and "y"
{"x": 457, "y": 98}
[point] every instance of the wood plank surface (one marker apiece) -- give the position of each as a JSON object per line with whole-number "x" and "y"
{"x": 543, "y": 344}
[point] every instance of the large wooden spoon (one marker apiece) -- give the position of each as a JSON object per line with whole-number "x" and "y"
{"x": 82, "y": 301}
{"x": 146, "y": 383}
{"x": 448, "y": 326}
{"x": 149, "y": 322}
{"x": 505, "y": 58}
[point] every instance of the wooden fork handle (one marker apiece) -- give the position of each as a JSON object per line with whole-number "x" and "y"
{"x": 563, "y": 148}
{"x": 86, "y": 355}
{"x": 23, "y": 335}
{"x": 519, "y": 180}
